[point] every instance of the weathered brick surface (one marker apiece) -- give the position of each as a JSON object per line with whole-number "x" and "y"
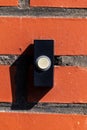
{"x": 69, "y": 35}
{"x": 59, "y": 3}
{"x": 15, "y": 78}
{"x": 21, "y": 121}
{"x": 8, "y": 2}
{"x": 23, "y": 9}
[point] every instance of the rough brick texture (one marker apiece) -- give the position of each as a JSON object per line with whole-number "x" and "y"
{"x": 19, "y": 26}
{"x": 21, "y": 121}
{"x": 59, "y": 3}
{"x": 68, "y": 34}
{"x": 8, "y": 2}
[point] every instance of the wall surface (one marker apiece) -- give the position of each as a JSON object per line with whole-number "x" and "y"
{"x": 65, "y": 105}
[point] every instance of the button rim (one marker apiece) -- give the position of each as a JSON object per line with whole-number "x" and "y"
{"x": 43, "y": 56}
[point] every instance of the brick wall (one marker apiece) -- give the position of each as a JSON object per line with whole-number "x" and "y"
{"x": 21, "y": 105}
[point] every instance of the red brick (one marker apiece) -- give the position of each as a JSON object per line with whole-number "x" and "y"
{"x": 8, "y": 2}
{"x": 69, "y": 86}
{"x": 59, "y": 3}
{"x": 69, "y": 34}
{"x": 21, "y": 121}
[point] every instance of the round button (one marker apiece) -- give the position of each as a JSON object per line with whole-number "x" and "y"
{"x": 43, "y": 62}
